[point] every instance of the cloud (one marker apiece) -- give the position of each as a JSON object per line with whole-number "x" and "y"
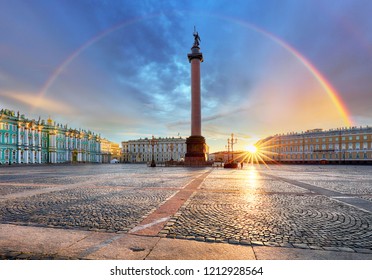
{"x": 43, "y": 103}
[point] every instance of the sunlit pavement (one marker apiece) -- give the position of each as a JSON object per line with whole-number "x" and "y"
{"x": 136, "y": 212}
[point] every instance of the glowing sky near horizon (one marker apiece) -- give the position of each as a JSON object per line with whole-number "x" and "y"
{"x": 120, "y": 68}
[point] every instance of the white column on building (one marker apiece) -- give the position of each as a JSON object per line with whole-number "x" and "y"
{"x": 67, "y": 137}
{"x": 99, "y": 152}
{"x": 19, "y": 143}
{"x": 32, "y": 146}
{"x": 52, "y": 147}
{"x": 39, "y": 146}
{"x": 26, "y": 151}
{"x": 55, "y": 146}
{"x": 78, "y": 143}
{"x": 19, "y": 153}
{"x": 19, "y": 134}
{"x": 32, "y": 136}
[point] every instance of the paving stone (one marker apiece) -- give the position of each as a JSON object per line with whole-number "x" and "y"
{"x": 315, "y": 247}
{"x": 257, "y": 243}
{"x": 301, "y": 246}
{"x": 345, "y": 249}
{"x": 245, "y": 242}
{"x": 331, "y": 248}
{"x": 363, "y": 250}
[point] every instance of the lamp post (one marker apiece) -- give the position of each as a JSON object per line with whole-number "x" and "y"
{"x": 153, "y": 142}
{"x": 228, "y": 150}
{"x": 232, "y": 141}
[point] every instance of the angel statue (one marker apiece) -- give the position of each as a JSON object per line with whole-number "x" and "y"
{"x": 196, "y": 38}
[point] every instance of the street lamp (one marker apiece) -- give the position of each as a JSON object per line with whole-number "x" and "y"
{"x": 153, "y": 142}
{"x": 228, "y": 150}
{"x": 232, "y": 141}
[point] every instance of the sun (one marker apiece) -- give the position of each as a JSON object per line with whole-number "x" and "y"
{"x": 251, "y": 149}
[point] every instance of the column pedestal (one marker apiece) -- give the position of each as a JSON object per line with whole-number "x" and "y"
{"x": 196, "y": 151}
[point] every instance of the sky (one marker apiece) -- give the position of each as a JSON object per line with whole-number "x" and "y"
{"x": 120, "y": 68}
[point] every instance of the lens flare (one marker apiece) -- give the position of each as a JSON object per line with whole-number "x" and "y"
{"x": 251, "y": 149}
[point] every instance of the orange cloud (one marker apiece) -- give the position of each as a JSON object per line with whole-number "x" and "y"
{"x": 37, "y": 102}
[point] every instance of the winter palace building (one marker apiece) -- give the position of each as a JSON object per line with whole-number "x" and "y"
{"x": 29, "y": 141}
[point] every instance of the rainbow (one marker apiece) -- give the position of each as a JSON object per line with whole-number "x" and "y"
{"x": 82, "y": 48}
{"x": 326, "y": 85}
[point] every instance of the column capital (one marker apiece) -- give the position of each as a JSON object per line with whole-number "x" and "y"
{"x": 195, "y": 53}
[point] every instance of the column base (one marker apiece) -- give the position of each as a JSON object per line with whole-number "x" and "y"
{"x": 196, "y": 151}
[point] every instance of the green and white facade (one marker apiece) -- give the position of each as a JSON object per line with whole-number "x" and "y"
{"x": 24, "y": 141}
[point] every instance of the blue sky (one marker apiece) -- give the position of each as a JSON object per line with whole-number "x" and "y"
{"x": 120, "y": 68}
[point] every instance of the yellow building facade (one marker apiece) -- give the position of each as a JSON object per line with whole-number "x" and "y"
{"x": 110, "y": 151}
{"x": 342, "y": 146}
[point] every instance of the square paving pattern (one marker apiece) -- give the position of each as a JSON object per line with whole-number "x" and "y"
{"x": 313, "y": 207}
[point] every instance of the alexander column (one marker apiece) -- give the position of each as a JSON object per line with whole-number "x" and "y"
{"x": 196, "y": 147}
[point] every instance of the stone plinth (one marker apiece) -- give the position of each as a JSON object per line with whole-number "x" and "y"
{"x": 196, "y": 151}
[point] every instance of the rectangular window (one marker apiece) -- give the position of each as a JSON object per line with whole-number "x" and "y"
{"x": 365, "y": 137}
{"x": 330, "y": 139}
{"x": 357, "y": 137}
{"x": 350, "y": 146}
{"x": 350, "y": 137}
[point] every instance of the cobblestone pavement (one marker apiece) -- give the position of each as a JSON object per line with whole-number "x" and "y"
{"x": 253, "y": 206}
{"x": 256, "y": 209}
{"x": 112, "y": 198}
